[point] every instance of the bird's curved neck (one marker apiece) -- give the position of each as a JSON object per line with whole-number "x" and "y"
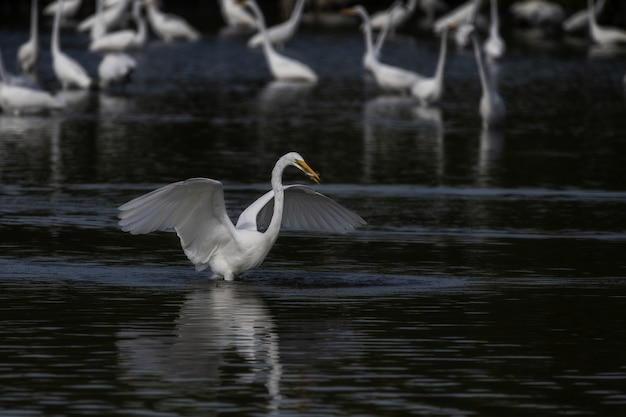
{"x": 495, "y": 19}
{"x": 485, "y": 79}
{"x": 367, "y": 30}
{"x": 260, "y": 18}
{"x": 441, "y": 62}
{"x": 34, "y": 16}
{"x": 141, "y": 24}
{"x": 55, "y": 28}
{"x": 297, "y": 12}
{"x": 593, "y": 24}
{"x": 474, "y": 11}
{"x": 279, "y": 200}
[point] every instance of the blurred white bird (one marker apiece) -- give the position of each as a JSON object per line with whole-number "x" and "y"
{"x": 457, "y": 15}
{"x": 68, "y": 8}
{"x": 236, "y": 16}
{"x": 67, "y": 70}
{"x": 122, "y": 40}
{"x": 538, "y": 12}
{"x": 466, "y": 27}
{"x": 195, "y": 209}
{"x": 115, "y": 68}
{"x": 167, "y": 26}
{"x": 580, "y": 19}
{"x": 388, "y": 77}
{"x": 281, "y": 67}
{"x": 112, "y": 17}
{"x": 603, "y": 35}
{"x": 28, "y": 53}
{"x": 393, "y": 16}
{"x": 492, "y": 108}
{"x": 280, "y": 34}
{"x": 20, "y": 99}
{"x": 494, "y": 45}
{"x": 430, "y": 90}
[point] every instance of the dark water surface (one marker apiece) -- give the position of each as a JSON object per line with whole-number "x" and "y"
{"x": 490, "y": 280}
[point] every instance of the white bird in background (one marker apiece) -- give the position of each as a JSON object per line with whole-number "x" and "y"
{"x": 67, "y": 70}
{"x": 456, "y": 15}
{"x": 281, "y": 67}
{"x": 394, "y": 16}
{"x": 492, "y": 108}
{"x": 68, "y": 8}
{"x": 387, "y": 76}
{"x": 28, "y": 53}
{"x": 236, "y": 16}
{"x": 580, "y": 19}
{"x": 116, "y": 68}
{"x": 538, "y": 12}
{"x": 195, "y": 209}
{"x": 603, "y": 35}
{"x": 122, "y": 40}
{"x": 169, "y": 27}
{"x": 112, "y": 17}
{"x": 430, "y": 90}
{"x": 494, "y": 45}
{"x": 20, "y": 99}
{"x": 465, "y": 29}
{"x": 280, "y": 34}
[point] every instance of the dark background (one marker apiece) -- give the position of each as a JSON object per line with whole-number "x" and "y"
{"x": 205, "y": 14}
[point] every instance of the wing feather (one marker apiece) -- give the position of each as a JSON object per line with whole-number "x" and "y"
{"x": 305, "y": 209}
{"x": 194, "y": 208}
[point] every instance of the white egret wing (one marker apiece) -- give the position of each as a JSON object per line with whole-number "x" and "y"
{"x": 194, "y": 208}
{"x": 304, "y": 209}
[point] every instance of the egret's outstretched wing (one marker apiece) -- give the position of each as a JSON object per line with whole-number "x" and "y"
{"x": 194, "y": 208}
{"x": 304, "y": 209}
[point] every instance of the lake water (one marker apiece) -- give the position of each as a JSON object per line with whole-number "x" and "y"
{"x": 489, "y": 281}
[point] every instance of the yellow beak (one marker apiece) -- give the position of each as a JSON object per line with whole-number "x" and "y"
{"x": 308, "y": 171}
{"x": 349, "y": 10}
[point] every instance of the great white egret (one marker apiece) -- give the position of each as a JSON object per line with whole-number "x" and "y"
{"x": 430, "y": 90}
{"x": 19, "y": 99}
{"x": 116, "y": 68}
{"x": 603, "y": 35}
{"x": 28, "y": 53}
{"x": 121, "y": 40}
{"x": 393, "y": 16}
{"x": 236, "y": 16}
{"x": 281, "y": 67}
{"x": 492, "y": 108}
{"x": 580, "y": 19}
{"x": 169, "y": 27}
{"x": 387, "y": 76}
{"x": 494, "y": 45}
{"x": 280, "y": 34}
{"x": 67, "y": 70}
{"x": 195, "y": 209}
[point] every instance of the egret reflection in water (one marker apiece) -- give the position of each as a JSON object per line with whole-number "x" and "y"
{"x": 225, "y": 333}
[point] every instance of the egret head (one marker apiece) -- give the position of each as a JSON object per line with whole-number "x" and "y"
{"x": 298, "y": 161}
